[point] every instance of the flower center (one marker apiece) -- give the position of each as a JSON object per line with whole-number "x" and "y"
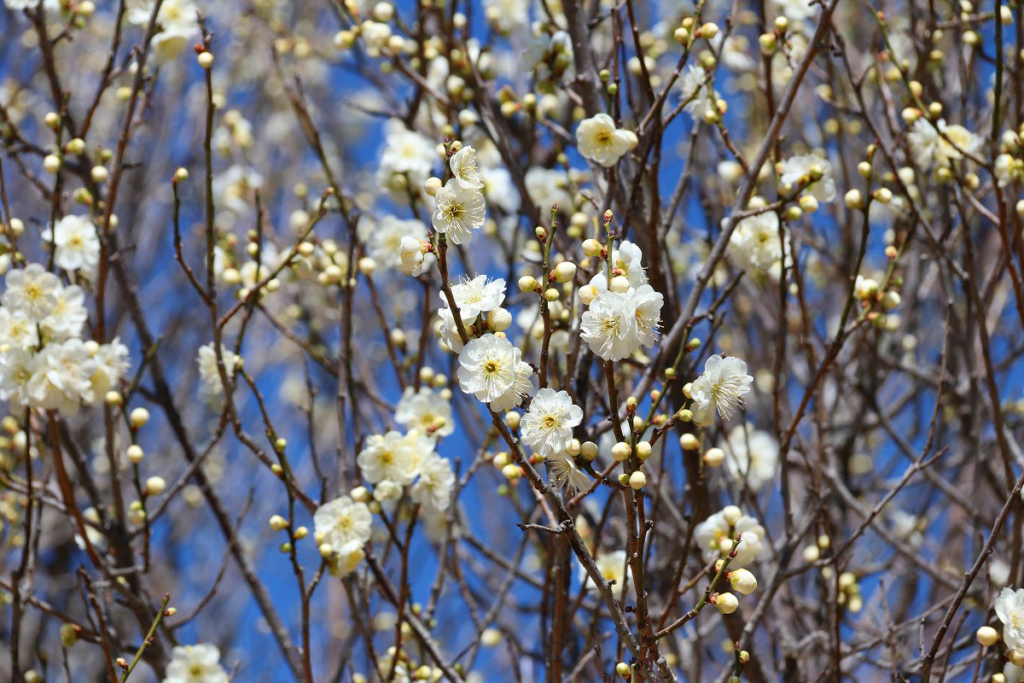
{"x": 549, "y": 421}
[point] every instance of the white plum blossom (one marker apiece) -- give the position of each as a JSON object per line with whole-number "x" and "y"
{"x": 407, "y": 155}
{"x": 600, "y": 141}
{"x": 607, "y": 326}
{"x": 721, "y": 387}
{"x": 212, "y": 387}
{"x": 32, "y": 290}
{"x": 68, "y": 316}
{"x": 566, "y": 474}
{"x": 796, "y": 10}
{"x": 425, "y": 410}
{"x": 617, "y": 324}
{"x": 613, "y": 567}
{"x": 547, "y": 426}
{"x": 345, "y": 526}
{"x": 61, "y": 377}
{"x": 195, "y": 664}
{"x": 110, "y": 363}
{"x": 412, "y": 259}
{"x": 940, "y": 144}
{"x": 464, "y": 168}
{"x": 548, "y": 187}
{"x": 433, "y": 488}
{"x": 458, "y": 211}
{"x": 77, "y": 245}
{"x": 804, "y": 168}
{"x": 715, "y": 539}
{"x": 698, "y": 96}
{"x": 16, "y": 369}
{"x": 487, "y": 367}
{"x": 646, "y": 305}
{"x": 1009, "y": 607}
{"x": 384, "y": 238}
{"x": 522, "y": 384}
{"x": 757, "y": 243}
{"x": 393, "y": 457}
{"x": 17, "y": 330}
{"x": 751, "y": 456}
{"x": 477, "y": 295}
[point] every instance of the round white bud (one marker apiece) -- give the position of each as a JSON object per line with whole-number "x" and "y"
{"x": 714, "y": 457}
{"x": 155, "y": 486}
{"x": 134, "y": 453}
{"x": 139, "y": 417}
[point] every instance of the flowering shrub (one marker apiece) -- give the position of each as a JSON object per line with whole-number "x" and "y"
{"x": 495, "y": 340}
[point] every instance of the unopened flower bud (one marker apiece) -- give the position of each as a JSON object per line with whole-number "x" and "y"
{"x": 134, "y": 454}
{"x": 528, "y": 283}
{"x": 565, "y": 271}
{"x": 205, "y": 59}
{"x": 155, "y": 486}
{"x": 139, "y": 417}
{"x": 714, "y": 457}
{"x": 731, "y": 514}
{"x": 621, "y": 451}
{"x": 987, "y": 636}
{"x": 727, "y": 603}
{"x": 742, "y": 581}
{"x": 637, "y": 480}
{"x": 589, "y": 450}
{"x": 689, "y": 442}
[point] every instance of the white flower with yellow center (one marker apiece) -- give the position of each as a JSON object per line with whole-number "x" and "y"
{"x": 17, "y": 331}
{"x": 646, "y": 304}
{"x": 477, "y": 296}
{"x": 342, "y": 521}
{"x": 384, "y": 238}
{"x": 722, "y": 387}
{"x": 426, "y": 411}
{"x": 68, "y": 316}
{"x": 195, "y": 664}
{"x": 1009, "y": 608}
{"x": 391, "y": 456}
{"x": 433, "y": 489}
{"x": 458, "y": 211}
{"x": 464, "y": 168}
{"x": 77, "y": 246}
{"x": 61, "y": 377}
{"x": 522, "y": 384}
{"x": 938, "y": 143}
{"x": 756, "y": 245}
{"x": 613, "y": 567}
{"x": 487, "y": 367}
{"x": 599, "y": 141}
{"x": 607, "y": 326}
{"x": 547, "y": 426}
{"x": 31, "y": 290}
